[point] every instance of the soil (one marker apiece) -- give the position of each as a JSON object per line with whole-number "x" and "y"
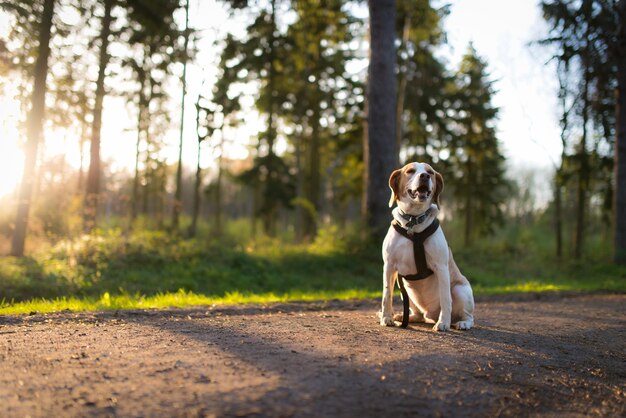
{"x": 554, "y": 355}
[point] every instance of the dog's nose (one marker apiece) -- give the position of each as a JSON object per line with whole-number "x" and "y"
{"x": 424, "y": 176}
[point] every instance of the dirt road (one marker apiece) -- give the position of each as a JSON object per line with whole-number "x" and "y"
{"x": 555, "y": 356}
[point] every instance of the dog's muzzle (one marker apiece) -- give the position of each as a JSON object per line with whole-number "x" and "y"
{"x": 422, "y": 193}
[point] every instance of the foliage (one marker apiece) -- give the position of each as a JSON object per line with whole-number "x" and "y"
{"x": 476, "y": 159}
{"x": 111, "y": 270}
{"x": 304, "y": 176}
{"x": 424, "y": 92}
{"x": 583, "y": 36}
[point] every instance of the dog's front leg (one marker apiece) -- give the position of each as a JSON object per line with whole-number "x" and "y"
{"x": 445, "y": 299}
{"x": 389, "y": 281}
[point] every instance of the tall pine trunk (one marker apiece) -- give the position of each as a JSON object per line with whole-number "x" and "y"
{"x": 92, "y": 192}
{"x": 178, "y": 204}
{"x": 583, "y": 172}
{"x": 559, "y": 175}
{"x": 141, "y": 127}
{"x": 469, "y": 207}
{"x": 141, "y": 110}
{"x": 402, "y": 84}
{"x": 379, "y": 140}
{"x": 312, "y": 186}
{"x": 218, "y": 187}
{"x": 195, "y": 210}
{"x": 558, "y": 222}
{"x": 620, "y": 142}
{"x": 34, "y": 130}
{"x": 271, "y": 210}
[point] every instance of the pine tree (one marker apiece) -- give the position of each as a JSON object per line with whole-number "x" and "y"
{"x": 381, "y": 154}
{"x": 315, "y": 100}
{"x": 584, "y": 35}
{"x": 92, "y": 192}
{"x": 620, "y": 142}
{"x": 256, "y": 59}
{"x": 476, "y": 152}
{"x": 154, "y": 46}
{"x": 34, "y": 127}
{"x": 423, "y": 84}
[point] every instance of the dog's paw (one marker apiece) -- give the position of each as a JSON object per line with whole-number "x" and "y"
{"x": 386, "y": 321}
{"x": 465, "y": 325}
{"x": 441, "y": 326}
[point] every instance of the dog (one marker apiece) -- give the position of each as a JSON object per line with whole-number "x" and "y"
{"x": 443, "y": 298}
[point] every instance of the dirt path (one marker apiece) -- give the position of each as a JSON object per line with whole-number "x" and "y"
{"x": 557, "y": 356}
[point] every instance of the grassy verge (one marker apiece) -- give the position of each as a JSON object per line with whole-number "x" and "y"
{"x": 178, "y": 299}
{"x": 155, "y": 270}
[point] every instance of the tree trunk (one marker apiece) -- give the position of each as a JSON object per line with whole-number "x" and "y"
{"x": 559, "y": 175}
{"x": 558, "y": 222}
{"x": 218, "y": 187}
{"x": 379, "y": 150}
{"x": 583, "y": 173}
{"x": 196, "y": 197}
{"x": 140, "y": 129}
{"x": 177, "y": 206}
{"x": 93, "y": 177}
{"x": 406, "y": 32}
{"x": 620, "y": 142}
{"x": 312, "y": 189}
{"x": 268, "y": 217}
{"x": 34, "y": 129}
{"x": 300, "y": 212}
{"x": 469, "y": 209}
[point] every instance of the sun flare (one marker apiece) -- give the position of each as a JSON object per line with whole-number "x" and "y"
{"x": 11, "y": 154}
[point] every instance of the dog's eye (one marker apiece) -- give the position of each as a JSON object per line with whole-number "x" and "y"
{"x": 430, "y": 172}
{"x": 410, "y": 171}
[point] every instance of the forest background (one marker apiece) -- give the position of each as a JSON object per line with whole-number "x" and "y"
{"x": 277, "y": 202}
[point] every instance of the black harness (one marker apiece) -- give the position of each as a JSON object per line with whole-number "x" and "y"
{"x": 419, "y": 254}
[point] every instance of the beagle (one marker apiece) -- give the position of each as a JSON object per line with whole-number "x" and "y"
{"x": 445, "y": 296}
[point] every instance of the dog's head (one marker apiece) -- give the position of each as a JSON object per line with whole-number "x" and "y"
{"x": 415, "y": 185}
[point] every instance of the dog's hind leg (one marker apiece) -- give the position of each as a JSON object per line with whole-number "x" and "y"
{"x": 463, "y": 306}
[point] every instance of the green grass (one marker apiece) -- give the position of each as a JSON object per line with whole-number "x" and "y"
{"x": 149, "y": 269}
{"x": 169, "y": 300}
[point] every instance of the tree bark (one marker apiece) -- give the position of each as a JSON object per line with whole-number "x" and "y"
{"x": 34, "y": 130}
{"x": 469, "y": 207}
{"x": 196, "y": 196}
{"x": 93, "y": 178}
{"x": 583, "y": 173}
{"x": 379, "y": 141}
{"x": 269, "y": 216}
{"x": 177, "y": 206}
{"x": 141, "y": 107}
{"x": 558, "y": 222}
{"x": 406, "y": 32}
{"x": 620, "y": 142}
{"x": 559, "y": 174}
{"x": 218, "y": 186}
{"x": 312, "y": 188}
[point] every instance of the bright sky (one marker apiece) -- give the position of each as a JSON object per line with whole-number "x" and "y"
{"x": 500, "y": 32}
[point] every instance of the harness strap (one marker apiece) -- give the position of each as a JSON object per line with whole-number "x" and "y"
{"x": 419, "y": 254}
{"x": 418, "y": 249}
{"x": 405, "y": 303}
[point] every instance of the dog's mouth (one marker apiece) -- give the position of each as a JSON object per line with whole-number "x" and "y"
{"x": 422, "y": 193}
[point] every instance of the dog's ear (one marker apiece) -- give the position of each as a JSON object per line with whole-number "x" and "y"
{"x": 438, "y": 188}
{"x": 394, "y": 185}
